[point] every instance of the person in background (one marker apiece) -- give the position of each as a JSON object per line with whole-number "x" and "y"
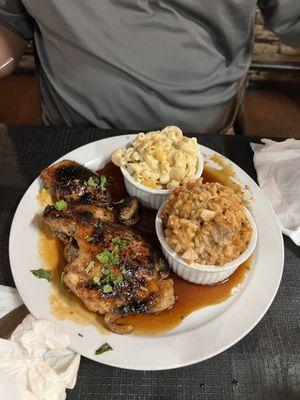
{"x": 141, "y": 64}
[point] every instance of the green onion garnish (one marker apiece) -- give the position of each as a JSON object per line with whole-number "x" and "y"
{"x": 161, "y": 264}
{"x": 89, "y": 267}
{"x": 117, "y": 280}
{"x": 106, "y": 271}
{"x": 122, "y": 268}
{"x": 107, "y": 288}
{"x": 93, "y": 181}
{"x": 107, "y": 257}
{"x": 126, "y": 309}
{"x": 103, "y": 182}
{"x": 62, "y": 277}
{"x": 61, "y": 205}
{"x": 122, "y": 242}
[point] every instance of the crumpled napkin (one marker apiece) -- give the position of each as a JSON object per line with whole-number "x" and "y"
{"x": 278, "y": 172}
{"x": 35, "y": 364}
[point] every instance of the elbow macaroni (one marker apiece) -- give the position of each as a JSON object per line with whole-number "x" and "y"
{"x": 160, "y": 159}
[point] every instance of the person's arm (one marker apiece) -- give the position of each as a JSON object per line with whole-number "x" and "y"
{"x": 283, "y": 18}
{"x": 11, "y": 45}
{"x": 16, "y": 28}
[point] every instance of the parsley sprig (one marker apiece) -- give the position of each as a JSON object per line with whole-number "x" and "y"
{"x": 105, "y": 347}
{"x": 42, "y": 274}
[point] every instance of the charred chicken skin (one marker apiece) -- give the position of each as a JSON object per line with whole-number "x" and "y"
{"x": 110, "y": 267}
{"x": 76, "y": 184}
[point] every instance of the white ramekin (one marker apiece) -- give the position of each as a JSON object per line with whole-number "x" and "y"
{"x": 199, "y": 273}
{"x": 148, "y": 197}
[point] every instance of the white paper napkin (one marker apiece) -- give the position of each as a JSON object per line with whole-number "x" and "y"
{"x": 278, "y": 172}
{"x": 35, "y": 364}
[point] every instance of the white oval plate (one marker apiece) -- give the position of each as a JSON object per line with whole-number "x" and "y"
{"x": 203, "y": 334}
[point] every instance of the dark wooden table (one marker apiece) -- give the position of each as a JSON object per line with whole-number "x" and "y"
{"x": 264, "y": 365}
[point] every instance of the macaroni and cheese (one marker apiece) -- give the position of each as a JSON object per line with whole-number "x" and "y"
{"x": 160, "y": 159}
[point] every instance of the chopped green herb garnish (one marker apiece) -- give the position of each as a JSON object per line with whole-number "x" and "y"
{"x": 128, "y": 238}
{"x": 117, "y": 280}
{"x": 62, "y": 277}
{"x": 115, "y": 256}
{"x": 104, "y": 257}
{"x": 107, "y": 257}
{"x": 107, "y": 288}
{"x": 122, "y": 242}
{"x": 109, "y": 281}
{"x": 93, "y": 181}
{"x": 122, "y": 268}
{"x": 109, "y": 208}
{"x": 126, "y": 309}
{"x": 103, "y": 182}
{"x": 100, "y": 225}
{"x": 134, "y": 161}
{"x": 89, "y": 238}
{"x": 106, "y": 271}
{"x": 105, "y": 347}
{"x": 161, "y": 264}
{"x": 89, "y": 267}
{"x": 42, "y": 273}
{"x": 61, "y": 205}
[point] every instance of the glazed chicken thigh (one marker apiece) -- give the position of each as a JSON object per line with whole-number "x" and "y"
{"x": 110, "y": 266}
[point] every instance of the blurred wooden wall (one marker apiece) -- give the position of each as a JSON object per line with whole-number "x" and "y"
{"x": 19, "y": 99}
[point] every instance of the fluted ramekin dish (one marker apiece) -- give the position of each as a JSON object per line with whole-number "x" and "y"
{"x": 148, "y": 197}
{"x": 200, "y": 273}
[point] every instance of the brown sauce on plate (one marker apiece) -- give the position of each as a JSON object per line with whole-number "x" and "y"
{"x": 190, "y": 297}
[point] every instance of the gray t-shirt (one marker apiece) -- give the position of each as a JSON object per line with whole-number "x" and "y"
{"x": 144, "y": 64}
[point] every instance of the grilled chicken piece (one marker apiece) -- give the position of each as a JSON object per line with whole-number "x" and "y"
{"x": 110, "y": 266}
{"x": 73, "y": 182}
{"x": 76, "y": 184}
{"x": 127, "y": 212}
{"x": 71, "y": 251}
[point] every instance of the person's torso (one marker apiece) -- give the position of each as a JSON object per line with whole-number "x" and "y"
{"x": 143, "y": 63}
